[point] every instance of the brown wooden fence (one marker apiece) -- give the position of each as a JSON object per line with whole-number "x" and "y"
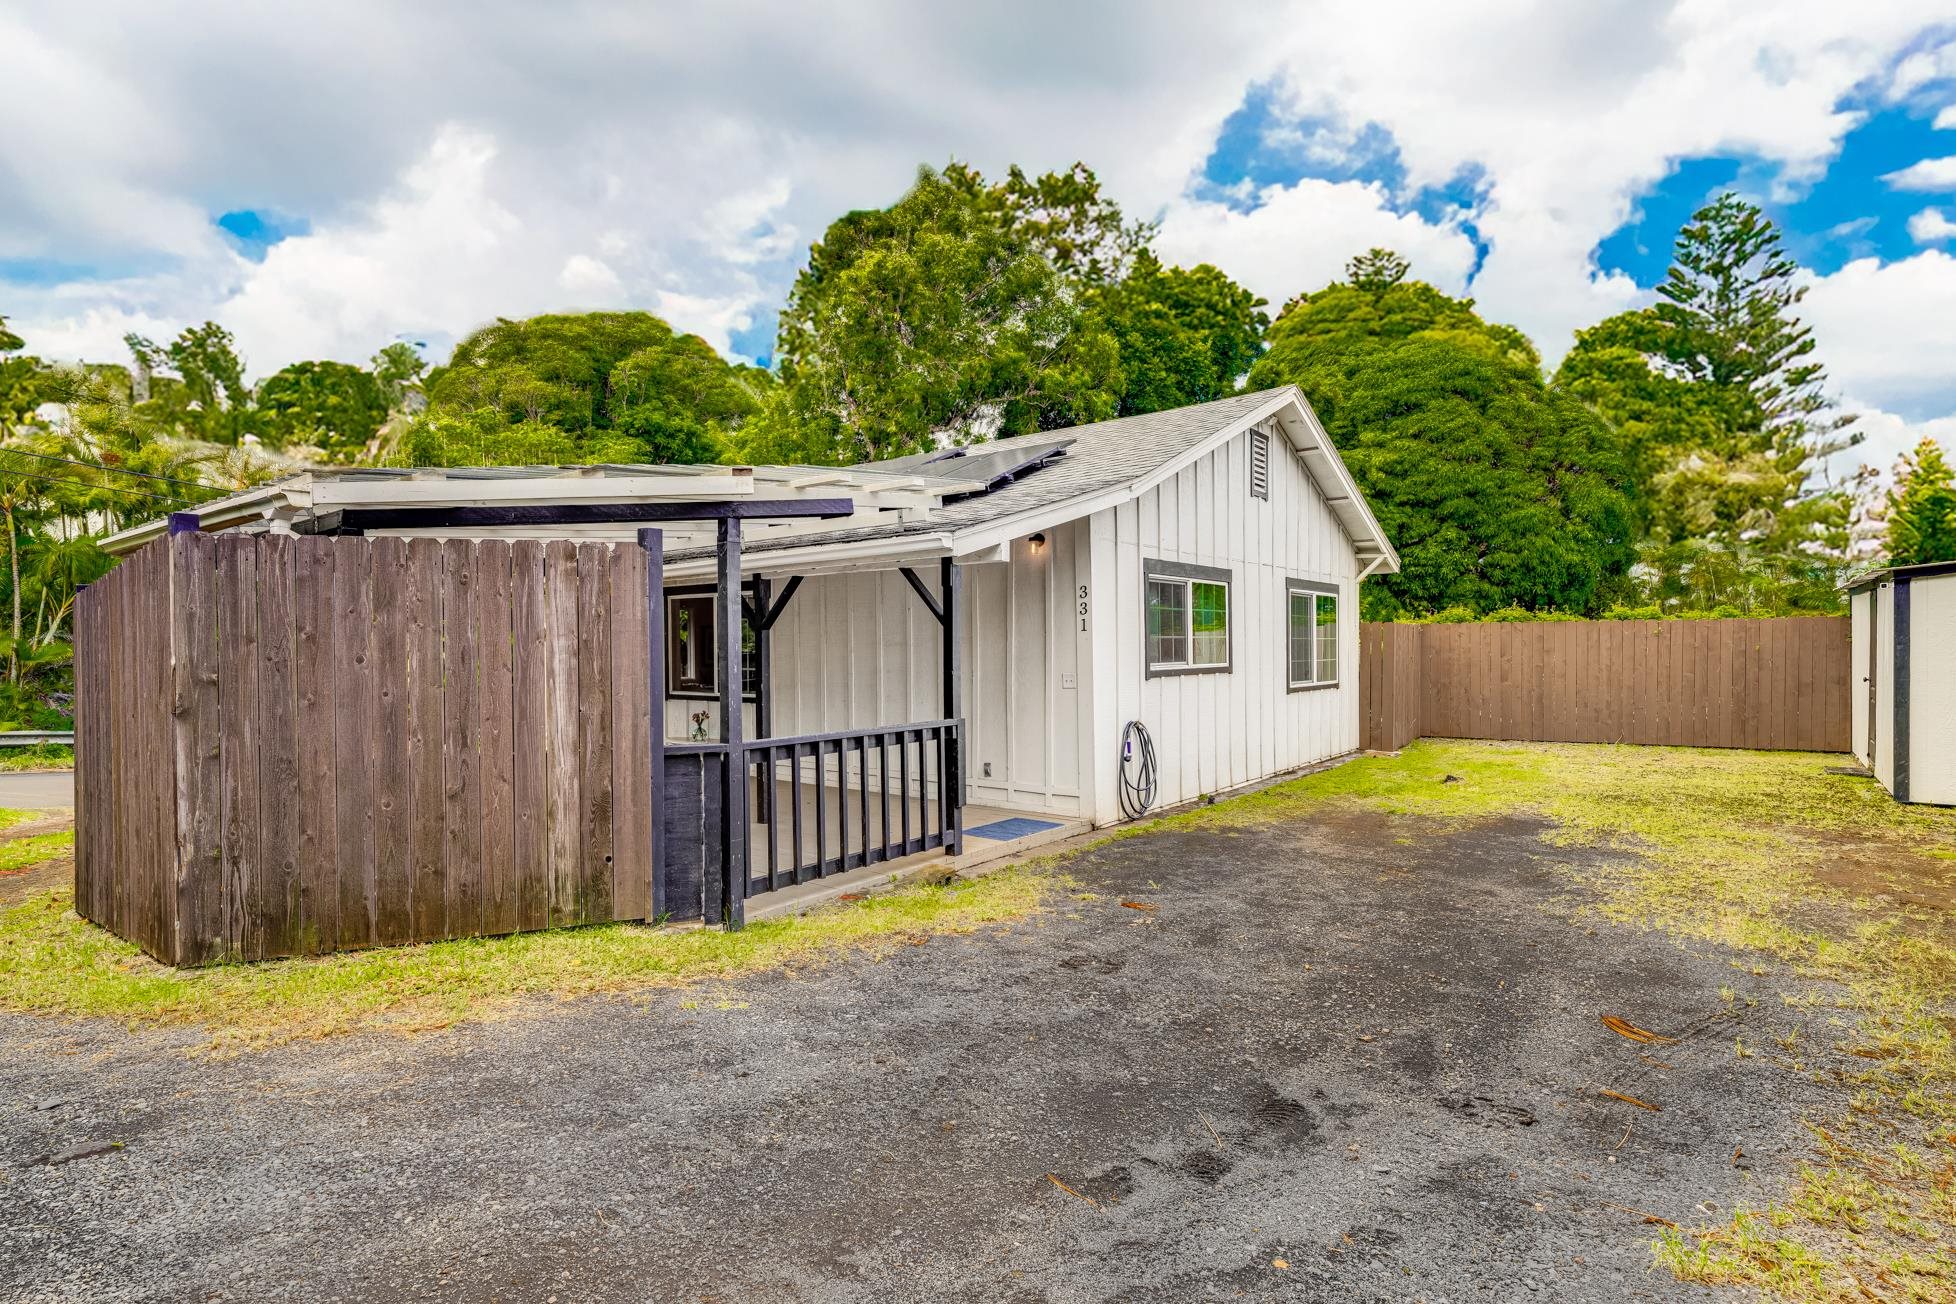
{"x": 295, "y": 745}
{"x": 1779, "y": 684}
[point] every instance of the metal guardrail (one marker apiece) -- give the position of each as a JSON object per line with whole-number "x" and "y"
{"x": 36, "y": 737}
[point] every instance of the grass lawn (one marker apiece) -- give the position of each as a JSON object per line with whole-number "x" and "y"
{"x": 53, "y": 963}
{"x": 1845, "y": 900}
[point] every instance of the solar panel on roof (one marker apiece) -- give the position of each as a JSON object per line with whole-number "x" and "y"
{"x": 1000, "y": 463}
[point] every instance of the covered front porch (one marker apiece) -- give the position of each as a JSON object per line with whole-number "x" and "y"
{"x": 871, "y": 646}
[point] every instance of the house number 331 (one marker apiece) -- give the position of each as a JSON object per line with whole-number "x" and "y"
{"x": 1083, "y": 608}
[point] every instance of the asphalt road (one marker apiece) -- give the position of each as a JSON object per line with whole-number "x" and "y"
{"x": 36, "y": 789}
{"x": 1327, "y": 1066}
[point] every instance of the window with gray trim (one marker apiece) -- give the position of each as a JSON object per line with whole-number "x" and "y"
{"x": 1311, "y": 633}
{"x": 1187, "y": 622}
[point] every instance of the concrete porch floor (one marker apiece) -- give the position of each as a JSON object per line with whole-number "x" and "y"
{"x": 978, "y": 851}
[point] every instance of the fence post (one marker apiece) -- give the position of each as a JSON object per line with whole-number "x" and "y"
{"x": 652, "y": 542}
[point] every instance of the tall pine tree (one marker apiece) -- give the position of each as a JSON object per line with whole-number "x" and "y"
{"x": 1722, "y": 407}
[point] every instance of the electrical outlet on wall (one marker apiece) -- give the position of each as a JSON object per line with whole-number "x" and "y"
{"x": 1069, "y": 679}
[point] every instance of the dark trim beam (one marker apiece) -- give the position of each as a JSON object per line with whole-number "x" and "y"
{"x": 951, "y": 795}
{"x": 780, "y": 604}
{"x": 936, "y": 611}
{"x": 544, "y": 514}
{"x": 763, "y": 690}
{"x": 1902, "y": 621}
{"x": 733, "y": 798}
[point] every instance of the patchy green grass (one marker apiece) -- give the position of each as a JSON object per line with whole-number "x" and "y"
{"x": 52, "y": 963}
{"x": 44, "y": 756}
{"x": 1819, "y": 881}
{"x": 19, "y": 853}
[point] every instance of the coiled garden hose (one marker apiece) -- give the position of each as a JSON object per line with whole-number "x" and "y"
{"x": 1137, "y": 770}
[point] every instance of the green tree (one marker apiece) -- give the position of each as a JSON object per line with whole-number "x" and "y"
{"x": 583, "y": 387}
{"x": 1496, "y": 492}
{"x": 398, "y": 369}
{"x": 1718, "y": 400}
{"x": 204, "y": 393}
{"x": 937, "y": 318}
{"x": 1922, "y": 508}
{"x": 1185, "y": 334}
{"x": 1065, "y": 219}
{"x": 1317, "y": 339}
{"x": 331, "y": 406}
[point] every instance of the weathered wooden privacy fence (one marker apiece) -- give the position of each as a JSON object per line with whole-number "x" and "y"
{"x": 295, "y": 745}
{"x": 1780, "y": 683}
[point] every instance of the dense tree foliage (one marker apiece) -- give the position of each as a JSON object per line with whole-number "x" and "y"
{"x": 331, "y": 406}
{"x": 938, "y": 319}
{"x": 969, "y": 310}
{"x": 1723, "y": 415}
{"x": 1184, "y": 335}
{"x": 1922, "y": 509}
{"x": 584, "y": 387}
{"x": 1495, "y": 491}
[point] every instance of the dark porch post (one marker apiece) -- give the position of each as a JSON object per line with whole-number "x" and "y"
{"x": 763, "y": 692}
{"x": 726, "y": 650}
{"x": 951, "y": 775}
{"x": 652, "y": 542}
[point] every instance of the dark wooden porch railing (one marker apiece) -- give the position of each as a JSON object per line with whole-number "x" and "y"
{"x": 872, "y": 795}
{"x": 841, "y": 800}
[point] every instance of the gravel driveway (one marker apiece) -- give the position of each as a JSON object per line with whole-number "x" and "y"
{"x": 1328, "y": 1065}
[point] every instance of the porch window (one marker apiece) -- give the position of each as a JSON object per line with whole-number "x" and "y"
{"x": 1187, "y": 628}
{"x": 1312, "y": 634}
{"x": 689, "y": 649}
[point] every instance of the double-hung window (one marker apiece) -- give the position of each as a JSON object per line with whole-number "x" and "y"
{"x": 1187, "y": 618}
{"x": 1311, "y": 634}
{"x": 690, "y": 670}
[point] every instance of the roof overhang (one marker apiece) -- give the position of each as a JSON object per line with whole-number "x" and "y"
{"x": 1919, "y": 571}
{"x": 477, "y": 499}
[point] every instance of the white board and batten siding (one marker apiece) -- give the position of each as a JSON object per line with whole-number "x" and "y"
{"x": 1213, "y": 732}
{"x": 857, "y": 651}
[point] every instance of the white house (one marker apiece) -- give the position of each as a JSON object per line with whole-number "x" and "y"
{"x": 1903, "y": 623}
{"x": 1195, "y": 570}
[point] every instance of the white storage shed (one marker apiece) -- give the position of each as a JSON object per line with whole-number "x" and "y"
{"x": 1904, "y": 659}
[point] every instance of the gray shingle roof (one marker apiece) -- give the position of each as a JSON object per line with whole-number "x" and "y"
{"x": 1098, "y": 457}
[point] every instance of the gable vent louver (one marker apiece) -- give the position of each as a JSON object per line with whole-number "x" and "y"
{"x": 1260, "y": 465}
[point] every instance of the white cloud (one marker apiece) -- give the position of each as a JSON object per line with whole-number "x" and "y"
{"x": 1946, "y": 119}
{"x": 587, "y": 276}
{"x": 1299, "y": 237}
{"x": 1930, "y": 227}
{"x": 1922, "y": 67}
{"x": 1886, "y": 332}
{"x": 1885, "y": 437}
{"x": 1929, "y": 174}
